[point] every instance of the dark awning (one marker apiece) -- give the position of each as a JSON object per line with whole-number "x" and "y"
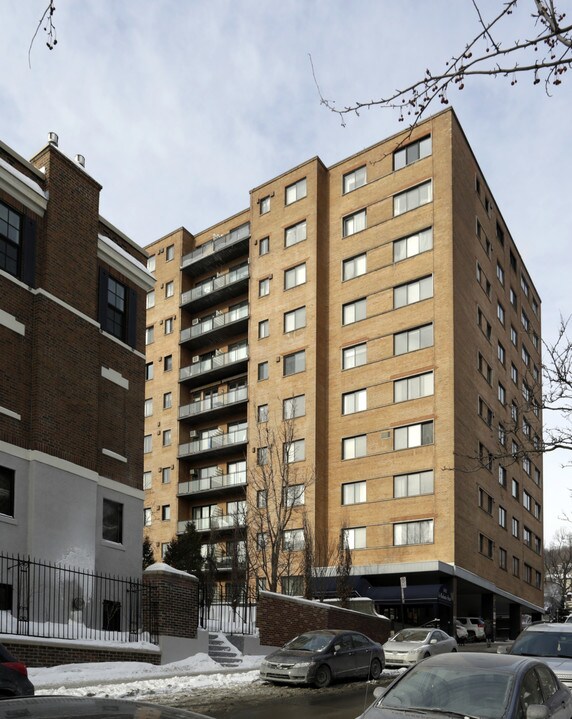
{"x": 413, "y": 594}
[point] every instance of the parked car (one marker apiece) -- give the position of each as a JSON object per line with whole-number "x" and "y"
{"x": 475, "y": 627}
{"x": 461, "y": 634}
{"x": 318, "y": 657}
{"x": 54, "y": 707}
{"x": 411, "y": 645}
{"x": 474, "y": 684}
{"x": 552, "y": 643}
{"x": 13, "y": 676}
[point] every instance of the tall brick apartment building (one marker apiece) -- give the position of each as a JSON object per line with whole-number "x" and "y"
{"x": 386, "y": 296}
{"x": 72, "y": 318}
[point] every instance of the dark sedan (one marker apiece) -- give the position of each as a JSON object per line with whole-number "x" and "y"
{"x": 13, "y": 676}
{"x": 319, "y": 657}
{"x": 488, "y": 686}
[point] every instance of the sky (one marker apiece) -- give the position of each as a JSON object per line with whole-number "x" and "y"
{"x": 180, "y": 107}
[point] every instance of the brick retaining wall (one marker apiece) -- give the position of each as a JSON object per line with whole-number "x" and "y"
{"x": 37, "y": 654}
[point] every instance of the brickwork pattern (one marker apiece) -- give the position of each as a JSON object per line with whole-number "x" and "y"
{"x": 48, "y": 655}
{"x": 176, "y": 602}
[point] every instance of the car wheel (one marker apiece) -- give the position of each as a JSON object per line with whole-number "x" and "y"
{"x": 323, "y": 676}
{"x": 375, "y": 669}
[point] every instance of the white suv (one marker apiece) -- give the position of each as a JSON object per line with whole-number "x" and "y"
{"x": 475, "y": 627}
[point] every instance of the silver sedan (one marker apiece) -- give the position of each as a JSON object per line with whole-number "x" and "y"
{"x": 409, "y": 646}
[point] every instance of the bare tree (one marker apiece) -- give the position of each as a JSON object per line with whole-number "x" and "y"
{"x": 558, "y": 569}
{"x": 47, "y": 20}
{"x": 277, "y": 487}
{"x": 319, "y": 559}
{"x": 494, "y": 51}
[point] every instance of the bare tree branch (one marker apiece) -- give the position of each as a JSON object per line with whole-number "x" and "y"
{"x": 49, "y": 29}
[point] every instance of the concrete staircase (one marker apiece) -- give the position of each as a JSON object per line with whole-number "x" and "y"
{"x": 223, "y": 652}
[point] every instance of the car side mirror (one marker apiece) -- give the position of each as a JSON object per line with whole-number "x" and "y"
{"x": 537, "y": 711}
{"x": 337, "y": 648}
{"x": 433, "y": 641}
{"x": 379, "y": 692}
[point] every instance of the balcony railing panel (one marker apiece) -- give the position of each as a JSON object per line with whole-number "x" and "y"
{"x": 214, "y": 286}
{"x": 214, "y": 402}
{"x": 217, "y": 245}
{"x": 212, "y": 324}
{"x": 213, "y": 363}
{"x": 217, "y": 441}
{"x": 208, "y": 484}
{"x": 221, "y": 521}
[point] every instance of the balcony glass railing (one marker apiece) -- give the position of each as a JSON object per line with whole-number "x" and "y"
{"x": 217, "y": 481}
{"x": 217, "y": 244}
{"x": 207, "y": 365}
{"x": 215, "y": 284}
{"x": 215, "y": 401}
{"x": 214, "y": 323}
{"x": 221, "y": 521}
{"x": 216, "y": 441}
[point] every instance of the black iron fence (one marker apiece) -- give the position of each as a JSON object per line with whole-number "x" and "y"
{"x": 228, "y": 612}
{"x": 39, "y": 599}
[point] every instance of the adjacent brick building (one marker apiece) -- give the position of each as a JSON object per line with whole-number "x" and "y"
{"x": 382, "y": 303}
{"x": 72, "y": 318}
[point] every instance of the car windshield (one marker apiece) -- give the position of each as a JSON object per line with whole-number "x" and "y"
{"x": 411, "y": 635}
{"x": 310, "y": 642}
{"x": 544, "y": 644}
{"x": 473, "y": 692}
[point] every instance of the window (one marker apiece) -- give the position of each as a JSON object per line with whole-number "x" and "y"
{"x": 295, "y": 276}
{"x": 353, "y": 223}
{"x": 354, "y": 267}
{"x": 516, "y": 566}
{"x": 354, "y": 537}
{"x": 166, "y": 475}
{"x": 166, "y": 512}
{"x": 353, "y": 180}
{"x": 117, "y": 307}
{"x": 262, "y": 498}
{"x": 527, "y": 536}
{"x": 264, "y": 287}
{"x": 515, "y": 489}
{"x": 413, "y": 484}
{"x": 501, "y": 394}
{"x": 354, "y": 401}
{"x": 413, "y": 152}
{"x": 10, "y": 240}
{"x": 149, "y": 335}
{"x": 7, "y": 481}
{"x": 354, "y": 447}
{"x": 149, "y": 370}
{"x": 147, "y": 443}
{"x": 264, "y": 246}
{"x": 354, "y": 311}
{"x": 166, "y": 438}
{"x": 148, "y": 407}
{"x": 354, "y": 356}
{"x": 524, "y": 285}
{"x": 413, "y": 198}
{"x": 262, "y": 413}
{"x": 413, "y": 292}
{"x": 112, "y": 521}
{"x": 413, "y": 245}
{"x": 294, "y": 407}
{"x": 501, "y": 354}
{"x": 485, "y": 457}
{"x": 262, "y": 456}
{"x": 167, "y": 400}
{"x": 170, "y": 253}
{"x": 502, "y": 558}
{"x": 354, "y": 492}
{"x": 414, "y": 339}
{"x": 514, "y": 373}
{"x": 525, "y": 321}
{"x": 169, "y": 289}
{"x": 502, "y": 435}
{"x": 294, "y": 363}
{"x": 500, "y": 313}
{"x": 169, "y": 325}
{"x": 167, "y": 363}
{"x": 420, "y": 385}
{"x": 295, "y": 234}
{"x": 502, "y": 517}
{"x": 263, "y": 329}
{"x": 485, "y": 412}
{"x": 515, "y": 527}
{"x": 413, "y": 533}
{"x": 500, "y": 274}
{"x": 296, "y": 191}
{"x": 293, "y": 540}
{"x": 147, "y": 480}
{"x": 294, "y": 495}
{"x": 262, "y": 371}
{"x": 413, "y": 435}
{"x": 513, "y": 336}
{"x": 502, "y": 475}
{"x": 151, "y": 263}
{"x": 483, "y": 323}
{"x": 484, "y": 368}
{"x": 513, "y": 298}
{"x": 265, "y": 205}
{"x": 150, "y": 300}
{"x": 295, "y": 319}
{"x": 147, "y": 517}
{"x": 485, "y": 546}
{"x": 526, "y": 466}
{"x": 525, "y": 355}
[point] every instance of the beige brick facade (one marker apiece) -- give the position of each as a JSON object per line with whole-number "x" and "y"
{"x": 361, "y": 303}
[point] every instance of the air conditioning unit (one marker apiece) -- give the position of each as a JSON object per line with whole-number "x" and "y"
{"x": 195, "y": 358}
{"x": 193, "y": 434}
{"x": 195, "y": 321}
{"x": 385, "y": 435}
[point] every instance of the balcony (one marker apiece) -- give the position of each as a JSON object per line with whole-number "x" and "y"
{"x": 217, "y": 484}
{"x": 226, "y": 562}
{"x": 218, "y": 251}
{"x": 217, "y": 522}
{"x": 219, "y": 289}
{"x": 215, "y": 368}
{"x": 215, "y": 445}
{"x": 216, "y": 329}
{"x": 225, "y": 400}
